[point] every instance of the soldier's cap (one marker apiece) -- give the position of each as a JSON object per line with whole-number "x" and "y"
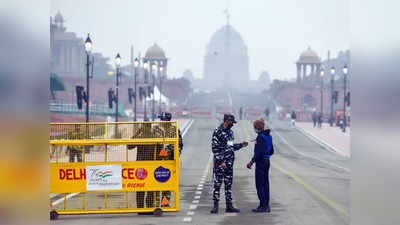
{"x": 229, "y": 117}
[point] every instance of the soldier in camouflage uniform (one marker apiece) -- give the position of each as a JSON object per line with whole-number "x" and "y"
{"x": 144, "y": 153}
{"x": 75, "y": 150}
{"x": 224, "y": 156}
{"x": 167, "y": 130}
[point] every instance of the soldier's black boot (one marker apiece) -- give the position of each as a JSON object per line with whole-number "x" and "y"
{"x": 230, "y": 208}
{"x": 215, "y": 209}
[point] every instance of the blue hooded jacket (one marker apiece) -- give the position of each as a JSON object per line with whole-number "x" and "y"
{"x": 263, "y": 146}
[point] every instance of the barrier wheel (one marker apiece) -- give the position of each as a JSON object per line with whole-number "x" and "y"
{"x": 53, "y": 215}
{"x": 158, "y": 212}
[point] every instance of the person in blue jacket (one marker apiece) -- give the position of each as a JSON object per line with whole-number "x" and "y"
{"x": 262, "y": 152}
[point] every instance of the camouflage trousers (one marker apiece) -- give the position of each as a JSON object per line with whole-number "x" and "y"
{"x": 226, "y": 175}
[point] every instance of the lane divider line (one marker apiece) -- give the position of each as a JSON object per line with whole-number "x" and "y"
{"x": 187, "y": 219}
{"x": 196, "y": 198}
{"x": 321, "y": 142}
{"x": 309, "y": 188}
{"x": 312, "y": 190}
{"x": 308, "y": 156}
{"x": 186, "y": 128}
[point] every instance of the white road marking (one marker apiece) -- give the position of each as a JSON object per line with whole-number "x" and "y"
{"x": 198, "y": 192}
{"x": 200, "y": 185}
{"x": 193, "y": 207}
{"x": 187, "y": 127}
{"x": 197, "y": 197}
{"x": 326, "y": 146}
{"x": 62, "y": 199}
{"x": 308, "y": 156}
{"x": 196, "y": 201}
{"x": 187, "y": 219}
{"x": 190, "y": 213}
{"x": 199, "y": 188}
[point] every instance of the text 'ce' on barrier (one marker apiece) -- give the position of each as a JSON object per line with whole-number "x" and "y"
{"x": 120, "y": 167}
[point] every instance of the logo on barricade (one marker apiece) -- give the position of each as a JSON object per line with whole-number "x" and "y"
{"x": 103, "y": 177}
{"x": 141, "y": 173}
{"x": 162, "y": 174}
{"x": 104, "y": 174}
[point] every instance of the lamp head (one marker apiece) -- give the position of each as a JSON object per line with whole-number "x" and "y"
{"x": 88, "y": 44}
{"x": 118, "y": 61}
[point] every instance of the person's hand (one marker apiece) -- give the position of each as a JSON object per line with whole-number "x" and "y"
{"x": 223, "y": 165}
{"x": 245, "y": 143}
{"x": 249, "y": 165}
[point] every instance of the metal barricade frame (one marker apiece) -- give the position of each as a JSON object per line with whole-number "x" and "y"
{"x": 157, "y": 176}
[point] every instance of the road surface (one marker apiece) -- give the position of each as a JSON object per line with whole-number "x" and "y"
{"x": 309, "y": 185}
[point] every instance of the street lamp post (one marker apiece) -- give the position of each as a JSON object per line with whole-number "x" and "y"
{"x": 322, "y": 92}
{"x": 146, "y": 67}
{"x": 117, "y": 66}
{"x": 345, "y": 71}
{"x": 160, "y": 75}
{"x": 332, "y": 90}
{"x": 88, "y": 49}
{"x": 153, "y": 68}
{"x": 136, "y": 64}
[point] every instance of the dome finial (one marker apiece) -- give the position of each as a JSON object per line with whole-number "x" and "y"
{"x": 227, "y": 15}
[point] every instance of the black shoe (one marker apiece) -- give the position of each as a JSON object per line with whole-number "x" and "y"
{"x": 215, "y": 209}
{"x": 230, "y": 208}
{"x": 260, "y": 209}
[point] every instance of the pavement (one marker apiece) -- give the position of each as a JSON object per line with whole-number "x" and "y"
{"x": 309, "y": 185}
{"x": 333, "y": 138}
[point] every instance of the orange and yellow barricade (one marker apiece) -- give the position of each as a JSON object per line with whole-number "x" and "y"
{"x": 119, "y": 167}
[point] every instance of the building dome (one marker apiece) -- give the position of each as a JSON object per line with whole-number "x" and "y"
{"x": 226, "y": 37}
{"x": 58, "y": 18}
{"x": 226, "y": 60}
{"x": 155, "y": 52}
{"x": 309, "y": 56}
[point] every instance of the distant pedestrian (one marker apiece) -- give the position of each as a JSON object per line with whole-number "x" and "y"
{"x": 314, "y": 118}
{"x": 320, "y": 118}
{"x": 266, "y": 112}
{"x": 293, "y": 117}
{"x": 241, "y": 113}
{"x": 262, "y": 152}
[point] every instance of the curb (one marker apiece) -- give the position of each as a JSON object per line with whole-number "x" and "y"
{"x": 321, "y": 142}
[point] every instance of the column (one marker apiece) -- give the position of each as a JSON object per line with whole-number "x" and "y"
{"x": 304, "y": 71}
{"x": 318, "y": 74}
{"x": 313, "y": 72}
{"x": 298, "y": 65}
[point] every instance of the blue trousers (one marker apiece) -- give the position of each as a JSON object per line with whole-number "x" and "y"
{"x": 262, "y": 182}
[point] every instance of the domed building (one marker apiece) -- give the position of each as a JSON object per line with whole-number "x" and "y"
{"x": 264, "y": 79}
{"x": 308, "y": 66}
{"x": 155, "y": 52}
{"x": 156, "y": 55}
{"x": 226, "y": 62}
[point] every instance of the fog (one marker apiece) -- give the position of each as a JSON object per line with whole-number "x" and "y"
{"x": 275, "y": 32}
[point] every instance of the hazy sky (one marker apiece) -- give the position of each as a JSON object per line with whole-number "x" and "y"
{"x": 275, "y": 32}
